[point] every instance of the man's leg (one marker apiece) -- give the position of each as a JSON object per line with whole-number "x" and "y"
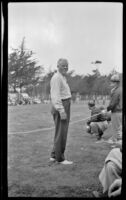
{"x": 65, "y": 125}
{"x": 56, "y": 119}
{"x": 102, "y": 126}
{"x": 61, "y": 129}
{"x": 116, "y": 124}
{"x": 96, "y": 130}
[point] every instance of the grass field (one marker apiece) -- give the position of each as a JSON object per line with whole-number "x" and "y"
{"x": 31, "y": 174}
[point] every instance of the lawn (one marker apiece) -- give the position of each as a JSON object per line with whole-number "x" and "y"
{"x": 31, "y": 174}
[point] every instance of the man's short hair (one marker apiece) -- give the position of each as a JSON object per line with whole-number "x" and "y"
{"x": 62, "y": 62}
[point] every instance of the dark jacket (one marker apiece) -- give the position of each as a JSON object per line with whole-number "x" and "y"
{"x": 97, "y": 116}
{"x": 115, "y": 104}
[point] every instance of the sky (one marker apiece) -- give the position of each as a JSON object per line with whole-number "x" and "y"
{"x": 81, "y": 32}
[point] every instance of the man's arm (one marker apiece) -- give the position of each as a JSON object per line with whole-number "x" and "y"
{"x": 93, "y": 118}
{"x": 114, "y": 101}
{"x": 56, "y": 97}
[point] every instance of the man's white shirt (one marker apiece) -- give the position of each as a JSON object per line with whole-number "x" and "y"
{"x": 59, "y": 91}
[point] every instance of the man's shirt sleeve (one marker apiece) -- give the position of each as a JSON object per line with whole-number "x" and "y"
{"x": 56, "y": 94}
{"x": 114, "y": 101}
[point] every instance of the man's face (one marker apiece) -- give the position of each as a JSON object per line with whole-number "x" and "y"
{"x": 63, "y": 69}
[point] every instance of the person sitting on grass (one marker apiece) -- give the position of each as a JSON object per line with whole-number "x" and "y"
{"x": 111, "y": 173}
{"x": 98, "y": 121}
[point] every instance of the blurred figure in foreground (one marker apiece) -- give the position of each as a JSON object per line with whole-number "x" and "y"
{"x": 111, "y": 173}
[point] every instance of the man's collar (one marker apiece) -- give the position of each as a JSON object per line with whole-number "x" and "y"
{"x": 60, "y": 74}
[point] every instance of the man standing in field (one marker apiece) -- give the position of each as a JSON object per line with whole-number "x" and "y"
{"x": 115, "y": 106}
{"x": 61, "y": 100}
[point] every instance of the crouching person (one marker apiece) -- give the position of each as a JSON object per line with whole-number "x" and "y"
{"x": 99, "y": 120}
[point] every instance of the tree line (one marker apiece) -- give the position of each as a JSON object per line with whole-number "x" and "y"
{"x": 24, "y": 72}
